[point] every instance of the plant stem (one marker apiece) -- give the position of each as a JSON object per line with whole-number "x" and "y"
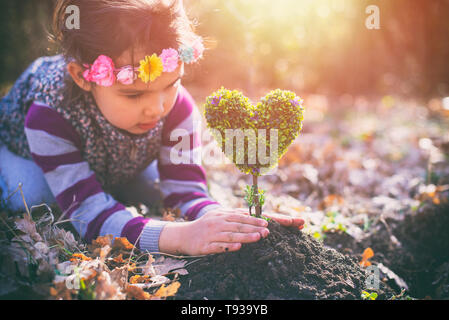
{"x": 256, "y": 197}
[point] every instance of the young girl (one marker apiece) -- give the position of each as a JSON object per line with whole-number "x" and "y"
{"x": 90, "y": 129}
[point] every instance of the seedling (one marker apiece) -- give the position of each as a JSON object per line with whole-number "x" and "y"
{"x": 268, "y": 127}
{"x": 331, "y": 223}
{"x": 369, "y": 296}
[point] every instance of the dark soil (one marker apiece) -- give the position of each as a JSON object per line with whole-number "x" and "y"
{"x": 288, "y": 264}
{"x": 420, "y": 256}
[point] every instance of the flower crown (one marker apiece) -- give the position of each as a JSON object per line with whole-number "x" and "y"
{"x": 104, "y": 73}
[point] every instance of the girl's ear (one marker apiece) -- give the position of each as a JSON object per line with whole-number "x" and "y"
{"x": 76, "y": 72}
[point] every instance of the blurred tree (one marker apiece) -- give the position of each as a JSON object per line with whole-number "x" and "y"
{"x": 318, "y": 46}
{"x": 23, "y": 35}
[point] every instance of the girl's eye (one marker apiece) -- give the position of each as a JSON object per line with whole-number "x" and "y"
{"x": 136, "y": 96}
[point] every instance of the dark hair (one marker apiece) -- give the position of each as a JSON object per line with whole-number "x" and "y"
{"x": 111, "y": 27}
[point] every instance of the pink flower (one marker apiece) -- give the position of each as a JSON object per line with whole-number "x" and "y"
{"x": 126, "y": 75}
{"x": 198, "y": 49}
{"x": 169, "y": 59}
{"x": 101, "y": 72}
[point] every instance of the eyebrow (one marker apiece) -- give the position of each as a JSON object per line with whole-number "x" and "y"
{"x": 143, "y": 91}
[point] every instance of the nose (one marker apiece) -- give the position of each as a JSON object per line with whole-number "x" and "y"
{"x": 155, "y": 108}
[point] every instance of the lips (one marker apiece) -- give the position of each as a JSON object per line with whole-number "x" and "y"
{"x": 147, "y": 126}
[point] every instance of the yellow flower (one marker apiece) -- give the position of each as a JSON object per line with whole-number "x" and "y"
{"x": 150, "y": 68}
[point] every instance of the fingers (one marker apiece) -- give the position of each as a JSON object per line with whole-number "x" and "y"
{"x": 246, "y": 219}
{"x": 235, "y": 210}
{"x": 285, "y": 220}
{"x": 241, "y": 237}
{"x": 243, "y": 228}
{"x": 297, "y": 222}
{"x": 219, "y": 247}
{"x": 242, "y": 211}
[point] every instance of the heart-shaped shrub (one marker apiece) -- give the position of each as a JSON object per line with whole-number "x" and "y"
{"x": 265, "y": 130}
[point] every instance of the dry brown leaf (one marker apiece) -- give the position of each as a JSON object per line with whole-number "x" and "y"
{"x": 139, "y": 279}
{"x": 168, "y": 216}
{"x": 100, "y": 242}
{"x": 119, "y": 275}
{"x": 79, "y": 256}
{"x": 28, "y": 226}
{"x": 122, "y": 244}
{"x": 119, "y": 259}
{"x": 90, "y": 275}
{"x": 104, "y": 252}
{"x": 106, "y": 289}
{"x": 164, "y": 265}
{"x": 135, "y": 292}
{"x": 330, "y": 200}
{"x": 61, "y": 292}
{"x": 167, "y": 291}
{"x": 171, "y": 214}
{"x": 367, "y": 254}
{"x": 131, "y": 267}
{"x": 148, "y": 269}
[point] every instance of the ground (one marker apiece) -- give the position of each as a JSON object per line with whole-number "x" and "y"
{"x": 374, "y": 177}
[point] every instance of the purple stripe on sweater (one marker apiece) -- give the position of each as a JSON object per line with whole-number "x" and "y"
{"x": 194, "y": 210}
{"x": 50, "y": 121}
{"x": 180, "y": 111}
{"x": 50, "y": 163}
{"x": 81, "y": 191}
{"x": 194, "y": 140}
{"x": 94, "y": 227}
{"x": 133, "y": 229}
{"x": 173, "y": 199}
{"x": 183, "y": 172}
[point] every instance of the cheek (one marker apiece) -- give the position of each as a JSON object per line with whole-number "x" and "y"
{"x": 118, "y": 111}
{"x": 170, "y": 100}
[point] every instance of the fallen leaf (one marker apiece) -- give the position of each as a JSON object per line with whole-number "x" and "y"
{"x": 148, "y": 269}
{"x": 164, "y": 265}
{"x": 119, "y": 259}
{"x": 104, "y": 252}
{"x": 139, "y": 279}
{"x": 367, "y": 254}
{"x": 168, "y": 216}
{"x": 61, "y": 292}
{"x": 135, "y": 292}
{"x": 28, "y": 226}
{"x": 79, "y": 256}
{"x": 100, "y": 242}
{"x": 330, "y": 200}
{"x": 106, "y": 289}
{"x": 168, "y": 291}
{"x": 122, "y": 244}
{"x": 119, "y": 275}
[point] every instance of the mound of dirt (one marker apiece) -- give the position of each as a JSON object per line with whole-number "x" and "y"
{"x": 288, "y": 264}
{"x": 423, "y": 250}
{"x": 416, "y": 249}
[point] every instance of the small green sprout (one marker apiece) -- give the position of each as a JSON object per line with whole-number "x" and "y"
{"x": 319, "y": 236}
{"x": 251, "y": 197}
{"x": 369, "y": 296}
{"x": 331, "y": 224}
{"x": 261, "y": 217}
{"x": 402, "y": 296}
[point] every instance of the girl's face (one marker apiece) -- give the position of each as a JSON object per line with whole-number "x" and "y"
{"x": 136, "y": 108}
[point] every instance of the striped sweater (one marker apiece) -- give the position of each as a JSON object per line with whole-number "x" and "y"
{"x": 58, "y": 150}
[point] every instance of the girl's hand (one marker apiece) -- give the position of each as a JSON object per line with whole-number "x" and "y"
{"x": 218, "y": 230}
{"x": 285, "y": 220}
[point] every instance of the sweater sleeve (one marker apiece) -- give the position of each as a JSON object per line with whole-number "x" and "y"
{"x": 182, "y": 178}
{"x": 56, "y": 148}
